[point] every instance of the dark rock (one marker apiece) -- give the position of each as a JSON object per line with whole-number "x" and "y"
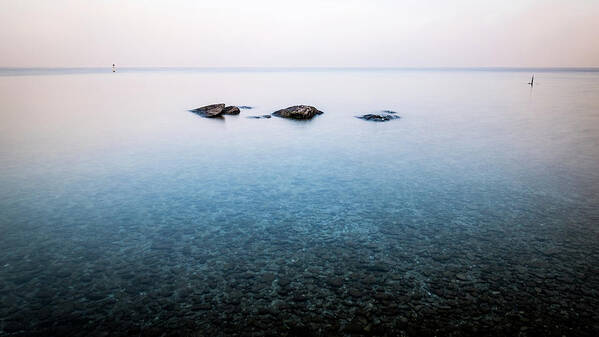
{"x": 353, "y": 292}
{"x": 283, "y": 281}
{"x": 335, "y": 281}
{"x": 379, "y": 267}
{"x": 298, "y": 112}
{"x": 378, "y": 118}
{"x": 370, "y": 279}
{"x": 245, "y": 107}
{"x": 388, "y": 111}
{"x": 260, "y": 117}
{"x": 12, "y": 326}
{"x": 246, "y": 276}
{"x": 300, "y": 298}
{"x": 235, "y": 297}
{"x": 354, "y": 327}
{"x": 231, "y": 110}
{"x": 461, "y": 277}
{"x": 213, "y": 110}
{"x": 396, "y": 277}
{"x": 202, "y": 306}
{"x": 95, "y": 296}
{"x": 268, "y": 277}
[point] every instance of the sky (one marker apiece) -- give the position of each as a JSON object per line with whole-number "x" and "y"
{"x": 306, "y": 33}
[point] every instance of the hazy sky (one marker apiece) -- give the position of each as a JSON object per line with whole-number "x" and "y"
{"x": 299, "y": 33}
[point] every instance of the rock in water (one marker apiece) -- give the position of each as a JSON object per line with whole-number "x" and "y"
{"x": 245, "y": 107}
{"x": 298, "y": 112}
{"x": 213, "y": 110}
{"x": 259, "y": 117}
{"x": 231, "y": 110}
{"x": 378, "y": 118}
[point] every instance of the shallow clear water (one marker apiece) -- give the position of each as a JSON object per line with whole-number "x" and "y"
{"x": 123, "y": 213}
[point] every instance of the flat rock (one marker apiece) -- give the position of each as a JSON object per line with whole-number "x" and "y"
{"x": 268, "y": 277}
{"x": 260, "y": 117}
{"x": 245, "y": 107}
{"x": 379, "y": 267}
{"x": 298, "y": 112}
{"x": 378, "y": 117}
{"x": 213, "y": 110}
{"x": 335, "y": 281}
{"x": 379, "y": 295}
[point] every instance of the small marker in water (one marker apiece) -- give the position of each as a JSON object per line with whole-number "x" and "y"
{"x": 113, "y": 68}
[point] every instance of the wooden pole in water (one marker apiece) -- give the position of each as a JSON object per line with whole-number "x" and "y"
{"x": 113, "y": 68}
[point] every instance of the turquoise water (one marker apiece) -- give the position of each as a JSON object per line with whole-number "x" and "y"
{"x": 121, "y": 213}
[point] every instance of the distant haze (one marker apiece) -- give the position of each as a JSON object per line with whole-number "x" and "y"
{"x": 383, "y": 33}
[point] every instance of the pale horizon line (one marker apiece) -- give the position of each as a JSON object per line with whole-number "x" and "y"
{"x": 143, "y": 67}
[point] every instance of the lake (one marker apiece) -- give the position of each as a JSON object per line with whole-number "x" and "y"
{"x": 475, "y": 213}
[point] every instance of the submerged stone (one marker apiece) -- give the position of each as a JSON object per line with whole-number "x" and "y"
{"x": 356, "y": 293}
{"x": 260, "y": 117}
{"x": 378, "y": 117}
{"x": 268, "y": 277}
{"x": 335, "y": 281}
{"x": 298, "y": 112}
{"x": 462, "y": 277}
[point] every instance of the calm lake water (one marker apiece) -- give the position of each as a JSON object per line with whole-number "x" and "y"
{"x": 122, "y": 213}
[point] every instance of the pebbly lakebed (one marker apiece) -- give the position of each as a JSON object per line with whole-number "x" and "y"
{"x": 124, "y": 214}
